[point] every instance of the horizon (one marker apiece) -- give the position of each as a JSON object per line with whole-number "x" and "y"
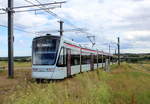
{"x": 116, "y": 54}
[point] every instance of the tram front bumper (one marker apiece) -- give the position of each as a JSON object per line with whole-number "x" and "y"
{"x": 49, "y": 75}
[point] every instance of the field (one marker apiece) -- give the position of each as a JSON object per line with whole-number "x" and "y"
{"x": 125, "y": 84}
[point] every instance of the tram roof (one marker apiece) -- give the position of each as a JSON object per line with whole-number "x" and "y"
{"x": 85, "y": 47}
{"x": 75, "y": 43}
{"x": 47, "y": 35}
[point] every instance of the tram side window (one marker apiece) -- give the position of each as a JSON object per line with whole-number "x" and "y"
{"x": 86, "y": 58}
{"x": 104, "y": 58}
{"x": 62, "y": 58}
{"x": 99, "y": 58}
{"x": 83, "y": 58}
{"x": 75, "y": 57}
{"x": 95, "y": 58}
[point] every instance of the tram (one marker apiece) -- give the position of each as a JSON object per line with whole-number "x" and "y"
{"x": 55, "y": 57}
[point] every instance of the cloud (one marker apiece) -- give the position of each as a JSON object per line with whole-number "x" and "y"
{"x": 30, "y": 20}
{"x": 107, "y": 19}
{"x": 135, "y": 34}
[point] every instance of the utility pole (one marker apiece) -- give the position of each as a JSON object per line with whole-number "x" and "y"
{"x": 115, "y": 55}
{"x": 102, "y": 61}
{"x": 118, "y": 51}
{"x": 115, "y": 51}
{"x": 109, "y": 52}
{"x": 10, "y": 39}
{"x": 109, "y": 48}
{"x": 61, "y": 28}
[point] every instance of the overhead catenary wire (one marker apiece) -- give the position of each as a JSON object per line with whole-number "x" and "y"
{"x": 44, "y": 7}
{"x": 19, "y": 29}
{"x": 66, "y": 30}
{"x": 48, "y": 11}
{"x": 34, "y": 5}
{"x": 58, "y": 17}
{"x": 53, "y": 31}
{"x": 2, "y": 9}
{"x": 30, "y": 10}
{"x": 80, "y": 30}
{"x": 54, "y": 14}
{"x": 3, "y": 13}
{"x": 35, "y": 9}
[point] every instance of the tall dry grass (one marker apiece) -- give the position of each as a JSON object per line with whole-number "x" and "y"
{"x": 125, "y": 84}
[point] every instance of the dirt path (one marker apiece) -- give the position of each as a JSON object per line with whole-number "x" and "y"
{"x": 20, "y": 74}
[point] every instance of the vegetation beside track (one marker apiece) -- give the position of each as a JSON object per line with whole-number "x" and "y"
{"x": 125, "y": 84}
{"x": 16, "y": 64}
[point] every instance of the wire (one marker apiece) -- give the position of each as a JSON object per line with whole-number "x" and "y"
{"x": 42, "y": 7}
{"x": 18, "y": 29}
{"x": 31, "y": 10}
{"x": 39, "y": 5}
{"x": 3, "y": 13}
{"x": 55, "y": 15}
{"x": 58, "y": 17}
{"x": 35, "y": 9}
{"x": 48, "y": 11}
{"x": 34, "y": 6}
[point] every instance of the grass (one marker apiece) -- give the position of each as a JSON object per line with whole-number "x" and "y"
{"x": 131, "y": 86}
{"x": 16, "y": 64}
{"x": 125, "y": 84}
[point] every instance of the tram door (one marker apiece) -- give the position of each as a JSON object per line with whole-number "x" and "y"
{"x": 92, "y": 62}
{"x": 68, "y": 62}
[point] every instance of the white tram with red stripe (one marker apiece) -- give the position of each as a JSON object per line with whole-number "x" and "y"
{"x": 55, "y": 57}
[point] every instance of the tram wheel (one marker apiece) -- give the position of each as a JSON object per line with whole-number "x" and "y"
{"x": 39, "y": 80}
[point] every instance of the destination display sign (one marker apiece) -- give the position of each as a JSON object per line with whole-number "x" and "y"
{"x": 44, "y": 45}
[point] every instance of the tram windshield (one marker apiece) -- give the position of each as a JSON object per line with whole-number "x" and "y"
{"x": 45, "y": 50}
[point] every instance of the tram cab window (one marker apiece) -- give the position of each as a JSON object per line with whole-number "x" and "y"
{"x": 45, "y": 50}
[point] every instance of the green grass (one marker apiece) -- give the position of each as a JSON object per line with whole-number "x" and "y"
{"x": 125, "y": 84}
{"x": 16, "y": 64}
{"x": 1, "y": 71}
{"x": 131, "y": 85}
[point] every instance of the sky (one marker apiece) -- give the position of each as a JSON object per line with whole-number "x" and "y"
{"x": 106, "y": 19}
